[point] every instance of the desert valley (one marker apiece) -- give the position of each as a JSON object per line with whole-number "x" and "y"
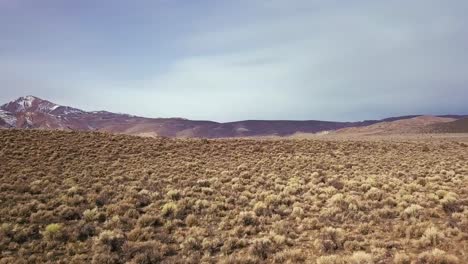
{"x": 233, "y": 132}
{"x": 392, "y": 191}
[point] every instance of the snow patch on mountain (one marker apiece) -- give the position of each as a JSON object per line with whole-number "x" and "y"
{"x": 23, "y": 103}
{"x": 47, "y": 107}
{"x": 28, "y": 120}
{"x": 242, "y": 129}
{"x": 8, "y": 117}
{"x": 26, "y": 101}
{"x": 69, "y": 110}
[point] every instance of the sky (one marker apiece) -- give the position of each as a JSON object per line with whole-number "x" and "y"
{"x": 226, "y": 60}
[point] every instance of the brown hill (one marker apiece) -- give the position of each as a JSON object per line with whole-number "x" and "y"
{"x": 33, "y": 112}
{"x": 411, "y": 125}
{"x": 457, "y": 126}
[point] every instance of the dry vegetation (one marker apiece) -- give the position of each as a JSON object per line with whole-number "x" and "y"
{"x": 70, "y": 197}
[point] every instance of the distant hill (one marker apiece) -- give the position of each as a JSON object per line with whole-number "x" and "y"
{"x": 33, "y": 112}
{"x": 456, "y": 126}
{"x": 403, "y": 126}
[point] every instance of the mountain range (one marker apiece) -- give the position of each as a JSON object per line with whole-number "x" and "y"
{"x": 34, "y": 112}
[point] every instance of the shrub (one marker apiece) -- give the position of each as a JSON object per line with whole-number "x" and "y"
{"x": 331, "y": 239}
{"x": 90, "y": 215}
{"x": 110, "y": 240}
{"x": 69, "y": 213}
{"x": 279, "y": 239}
{"x": 297, "y": 212}
{"x": 401, "y": 258}
{"x": 374, "y": 194}
{"x": 22, "y": 235}
{"x": 387, "y": 213}
{"x": 149, "y": 220}
{"x": 230, "y": 244}
{"x": 169, "y": 209}
{"x": 74, "y": 190}
{"x": 272, "y": 200}
{"x": 206, "y": 183}
{"x": 103, "y": 198}
{"x": 174, "y": 195}
{"x": 143, "y": 252}
{"x": 331, "y": 259}
{"x": 260, "y": 209}
{"x": 53, "y": 231}
{"x": 338, "y": 200}
{"x": 413, "y": 210}
{"x": 450, "y": 203}
{"x": 105, "y": 257}
{"x": 261, "y": 247}
{"x": 191, "y": 220}
{"x": 212, "y": 246}
{"x": 238, "y": 259}
{"x": 352, "y": 245}
{"x": 192, "y": 243}
{"x": 361, "y": 257}
{"x": 6, "y": 229}
{"x": 290, "y": 256}
{"x": 248, "y": 218}
{"x": 142, "y": 200}
{"x": 207, "y": 191}
{"x": 436, "y": 256}
{"x": 85, "y": 231}
{"x": 432, "y": 237}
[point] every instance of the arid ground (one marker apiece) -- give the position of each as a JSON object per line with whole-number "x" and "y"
{"x": 81, "y": 197}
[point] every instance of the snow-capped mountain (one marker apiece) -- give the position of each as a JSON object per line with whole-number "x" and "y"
{"x": 33, "y": 112}
{"x": 34, "y": 104}
{"x": 29, "y": 104}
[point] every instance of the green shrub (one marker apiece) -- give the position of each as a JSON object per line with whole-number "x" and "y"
{"x": 53, "y": 228}
{"x": 53, "y": 231}
{"x": 169, "y": 209}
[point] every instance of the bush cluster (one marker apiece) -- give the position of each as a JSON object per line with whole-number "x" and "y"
{"x": 73, "y": 197}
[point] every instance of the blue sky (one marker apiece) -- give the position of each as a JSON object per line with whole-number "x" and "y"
{"x": 234, "y": 60}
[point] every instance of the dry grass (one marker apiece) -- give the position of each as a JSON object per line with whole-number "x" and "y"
{"x": 69, "y": 197}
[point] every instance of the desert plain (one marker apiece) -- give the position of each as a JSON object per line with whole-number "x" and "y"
{"x": 87, "y": 197}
